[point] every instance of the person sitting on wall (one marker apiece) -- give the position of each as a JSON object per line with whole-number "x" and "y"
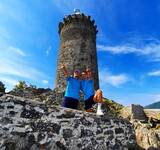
{"x": 71, "y": 97}
{"x": 90, "y": 97}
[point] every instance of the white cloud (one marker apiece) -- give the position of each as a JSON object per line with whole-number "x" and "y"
{"x": 124, "y": 49}
{"x": 154, "y": 73}
{"x": 129, "y": 48}
{"x": 117, "y": 80}
{"x": 8, "y": 81}
{"x": 114, "y": 80}
{"x": 19, "y": 69}
{"x": 136, "y": 98}
{"x": 48, "y": 51}
{"x": 152, "y": 49}
{"x": 156, "y": 98}
{"x": 16, "y": 51}
{"x": 14, "y": 66}
{"x": 156, "y": 60}
{"x": 16, "y": 11}
{"x": 45, "y": 81}
{"x": 4, "y": 34}
{"x": 16, "y": 63}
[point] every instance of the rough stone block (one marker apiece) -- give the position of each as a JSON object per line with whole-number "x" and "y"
{"x": 137, "y": 112}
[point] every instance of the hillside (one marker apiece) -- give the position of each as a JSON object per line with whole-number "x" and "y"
{"x": 153, "y": 106}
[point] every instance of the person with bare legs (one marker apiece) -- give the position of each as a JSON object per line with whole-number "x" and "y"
{"x": 72, "y": 96}
{"x": 90, "y": 97}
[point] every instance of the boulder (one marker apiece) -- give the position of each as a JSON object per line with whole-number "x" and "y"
{"x": 137, "y": 113}
{"x": 147, "y": 137}
{"x": 147, "y": 132}
{"x": 29, "y": 124}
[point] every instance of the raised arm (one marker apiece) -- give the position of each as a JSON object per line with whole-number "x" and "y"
{"x": 89, "y": 73}
{"x": 64, "y": 70}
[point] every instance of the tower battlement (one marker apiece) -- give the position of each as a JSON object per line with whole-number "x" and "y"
{"x": 77, "y": 18}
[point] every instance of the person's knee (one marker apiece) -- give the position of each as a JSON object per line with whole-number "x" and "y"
{"x": 99, "y": 93}
{"x": 98, "y": 96}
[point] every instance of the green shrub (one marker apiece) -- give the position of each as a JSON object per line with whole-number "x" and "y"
{"x": 21, "y": 85}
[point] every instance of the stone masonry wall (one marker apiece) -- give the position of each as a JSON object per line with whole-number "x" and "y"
{"x": 31, "y": 125}
{"x": 77, "y": 48}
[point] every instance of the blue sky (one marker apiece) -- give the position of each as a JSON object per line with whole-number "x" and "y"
{"x": 128, "y": 44}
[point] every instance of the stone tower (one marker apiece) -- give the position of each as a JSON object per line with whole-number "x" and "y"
{"x": 77, "y": 47}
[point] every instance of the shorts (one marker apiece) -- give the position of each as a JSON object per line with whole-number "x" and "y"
{"x": 89, "y": 102}
{"x": 70, "y": 102}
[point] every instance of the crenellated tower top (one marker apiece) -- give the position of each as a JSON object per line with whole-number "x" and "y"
{"x": 76, "y": 17}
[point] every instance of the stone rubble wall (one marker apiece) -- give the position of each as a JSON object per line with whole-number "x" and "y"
{"x": 27, "y": 124}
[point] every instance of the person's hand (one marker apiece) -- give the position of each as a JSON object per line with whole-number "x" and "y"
{"x": 64, "y": 70}
{"x": 87, "y": 68}
{"x": 63, "y": 67}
